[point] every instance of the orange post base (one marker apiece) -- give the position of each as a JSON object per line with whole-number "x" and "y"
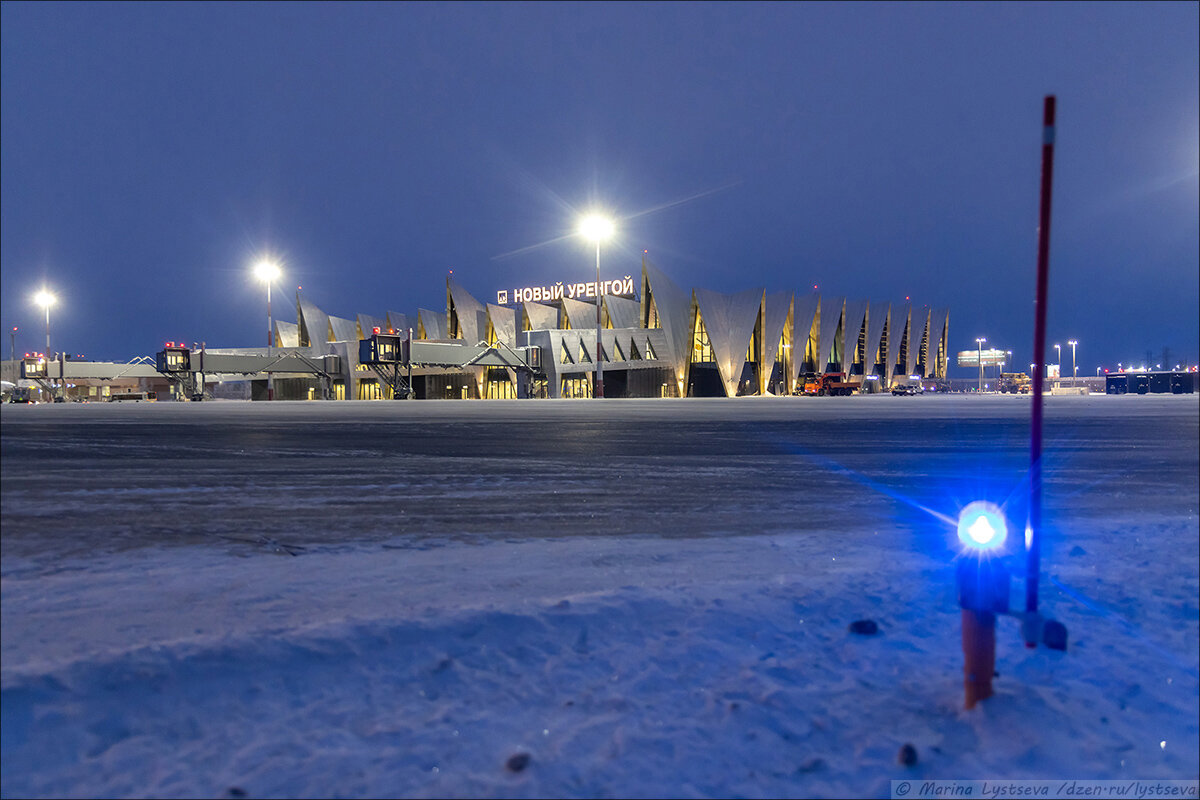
{"x": 979, "y": 654}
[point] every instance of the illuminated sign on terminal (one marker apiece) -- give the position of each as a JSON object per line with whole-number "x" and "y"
{"x": 557, "y": 291}
{"x": 990, "y": 358}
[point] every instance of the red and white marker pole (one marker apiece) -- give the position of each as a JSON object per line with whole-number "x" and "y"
{"x": 1032, "y": 542}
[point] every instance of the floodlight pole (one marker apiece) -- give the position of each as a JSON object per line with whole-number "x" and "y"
{"x": 599, "y": 389}
{"x": 52, "y": 388}
{"x": 270, "y": 343}
{"x": 1074, "y": 368}
{"x": 979, "y": 343}
{"x": 1032, "y": 542}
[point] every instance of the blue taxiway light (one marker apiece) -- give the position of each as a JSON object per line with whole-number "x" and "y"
{"x": 981, "y": 526}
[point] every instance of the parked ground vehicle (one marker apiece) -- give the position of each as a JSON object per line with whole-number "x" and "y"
{"x": 20, "y": 395}
{"x": 903, "y": 386}
{"x": 1014, "y": 383}
{"x": 831, "y": 383}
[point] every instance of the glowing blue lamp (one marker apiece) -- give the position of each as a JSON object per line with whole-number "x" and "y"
{"x": 983, "y": 589}
{"x": 981, "y": 526}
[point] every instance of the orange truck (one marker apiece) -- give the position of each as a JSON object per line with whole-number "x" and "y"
{"x": 831, "y": 383}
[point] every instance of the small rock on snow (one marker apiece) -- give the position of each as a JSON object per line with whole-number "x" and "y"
{"x": 864, "y": 627}
{"x": 1054, "y": 634}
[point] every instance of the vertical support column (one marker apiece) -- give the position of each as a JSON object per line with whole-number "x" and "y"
{"x": 760, "y": 354}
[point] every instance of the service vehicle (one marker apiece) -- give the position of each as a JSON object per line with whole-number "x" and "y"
{"x": 904, "y": 386}
{"x": 830, "y": 383}
{"x": 1014, "y": 383}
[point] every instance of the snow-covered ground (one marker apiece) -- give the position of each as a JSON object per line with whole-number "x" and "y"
{"x": 576, "y": 598}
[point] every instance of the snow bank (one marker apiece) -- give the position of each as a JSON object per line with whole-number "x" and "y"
{"x": 716, "y": 662}
{"x": 623, "y": 669}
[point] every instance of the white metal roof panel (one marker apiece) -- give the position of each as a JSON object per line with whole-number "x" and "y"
{"x": 400, "y": 323}
{"x": 622, "y": 311}
{"x": 899, "y": 335}
{"x": 541, "y": 317}
{"x": 472, "y": 316}
{"x": 831, "y": 314}
{"x": 581, "y": 314}
{"x": 804, "y": 312}
{"x": 778, "y": 311}
{"x": 854, "y": 321}
{"x": 730, "y": 320}
{"x": 877, "y": 318}
{"x": 343, "y": 330}
{"x": 505, "y": 322}
{"x": 674, "y": 315}
{"x": 314, "y": 323}
{"x": 287, "y": 334}
{"x": 917, "y": 327}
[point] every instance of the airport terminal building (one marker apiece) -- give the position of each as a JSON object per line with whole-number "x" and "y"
{"x": 656, "y": 340}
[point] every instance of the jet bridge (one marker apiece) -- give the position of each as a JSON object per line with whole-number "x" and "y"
{"x": 44, "y": 372}
{"x": 392, "y": 357}
{"x": 186, "y": 368}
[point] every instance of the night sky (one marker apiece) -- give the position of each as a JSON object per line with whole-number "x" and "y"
{"x": 150, "y": 153}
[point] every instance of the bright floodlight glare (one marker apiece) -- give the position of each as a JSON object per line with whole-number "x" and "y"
{"x": 596, "y": 227}
{"x": 981, "y": 526}
{"x": 266, "y": 270}
{"x": 44, "y": 299}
